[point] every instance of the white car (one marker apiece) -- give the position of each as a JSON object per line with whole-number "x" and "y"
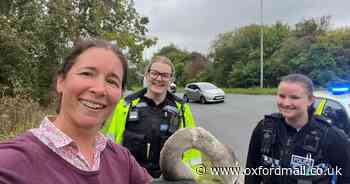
{"x": 203, "y": 92}
{"x": 334, "y": 106}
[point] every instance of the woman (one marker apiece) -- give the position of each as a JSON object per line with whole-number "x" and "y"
{"x": 143, "y": 121}
{"x": 69, "y": 148}
{"x": 294, "y": 146}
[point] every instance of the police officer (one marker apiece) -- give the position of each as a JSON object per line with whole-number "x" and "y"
{"x": 143, "y": 121}
{"x": 294, "y": 146}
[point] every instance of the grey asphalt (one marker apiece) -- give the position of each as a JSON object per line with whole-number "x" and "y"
{"x": 233, "y": 121}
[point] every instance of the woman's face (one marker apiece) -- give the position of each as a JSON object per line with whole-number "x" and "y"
{"x": 91, "y": 88}
{"x": 159, "y": 78}
{"x": 293, "y": 100}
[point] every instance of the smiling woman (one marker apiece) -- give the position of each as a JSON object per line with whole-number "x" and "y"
{"x": 89, "y": 90}
{"x": 143, "y": 121}
{"x": 296, "y": 139}
{"x": 69, "y": 146}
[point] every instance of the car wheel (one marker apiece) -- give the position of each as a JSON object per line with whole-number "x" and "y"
{"x": 186, "y": 99}
{"x": 202, "y": 100}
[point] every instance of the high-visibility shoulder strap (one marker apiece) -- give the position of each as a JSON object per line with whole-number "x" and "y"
{"x": 187, "y": 117}
{"x": 115, "y": 126}
{"x": 320, "y": 107}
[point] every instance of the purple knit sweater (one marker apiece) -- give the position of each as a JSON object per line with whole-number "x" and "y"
{"x": 25, "y": 160}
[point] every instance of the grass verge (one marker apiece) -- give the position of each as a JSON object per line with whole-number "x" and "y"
{"x": 18, "y": 114}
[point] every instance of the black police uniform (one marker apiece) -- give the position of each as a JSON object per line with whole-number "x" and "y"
{"x": 275, "y": 144}
{"x": 147, "y": 128}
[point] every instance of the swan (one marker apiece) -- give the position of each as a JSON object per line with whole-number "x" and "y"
{"x": 174, "y": 171}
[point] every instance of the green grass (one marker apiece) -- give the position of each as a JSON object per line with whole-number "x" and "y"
{"x": 251, "y": 91}
{"x": 248, "y": 91}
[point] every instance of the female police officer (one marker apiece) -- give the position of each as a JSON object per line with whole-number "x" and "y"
{"x": 143, "y": 121}
{"x": 294, "y": 145}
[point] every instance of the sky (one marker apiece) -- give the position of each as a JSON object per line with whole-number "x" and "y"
{"x": 194, "y": 24}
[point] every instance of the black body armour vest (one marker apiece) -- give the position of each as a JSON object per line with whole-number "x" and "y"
{"x": 301, "y": 153}
{"x": 146, "y": 131}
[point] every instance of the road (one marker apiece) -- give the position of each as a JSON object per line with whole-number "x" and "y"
{"x": 233, "y": 121}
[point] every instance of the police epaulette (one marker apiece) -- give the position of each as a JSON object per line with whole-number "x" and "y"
{"x": 176, "y": 98}
{"x": 138, "y": 94}
{"x": 270, "y": 119}
{"x": 323, "y": 120}
{"x": 340, "y": 132}
{"x": 275, "y": 115}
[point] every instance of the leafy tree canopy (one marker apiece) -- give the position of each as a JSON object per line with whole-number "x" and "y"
{"x": 35, "y": 36}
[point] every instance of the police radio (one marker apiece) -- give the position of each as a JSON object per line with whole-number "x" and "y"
{"x": 170, "y": 116}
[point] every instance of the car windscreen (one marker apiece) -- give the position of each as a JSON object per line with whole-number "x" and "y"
{"x": 207, "y": 86}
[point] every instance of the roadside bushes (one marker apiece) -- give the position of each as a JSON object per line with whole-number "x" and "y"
{"x": 19, "y": 113}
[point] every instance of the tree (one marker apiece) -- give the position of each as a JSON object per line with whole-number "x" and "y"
{"x": 310, "y": 48}
{"x": 36, "y": 35}
{"x": 236, "y": 54}
{"x": 195, "y": 66}
{"x": 338, "y": 42}
{"x": 179, "y": 58}
{"x": 312, "y": 27}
